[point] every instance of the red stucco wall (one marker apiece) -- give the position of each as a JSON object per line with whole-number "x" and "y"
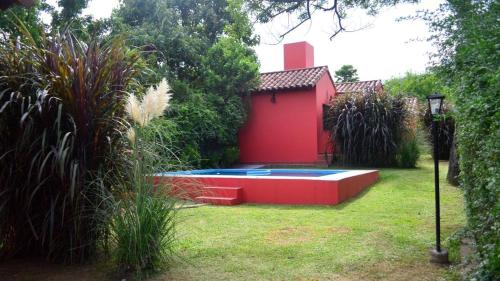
{"x": 324, "y": 91}
{"x": 281, "y": 132}
{"x": 298, "y": 55}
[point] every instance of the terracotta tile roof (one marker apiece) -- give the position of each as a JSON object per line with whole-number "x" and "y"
{"x": 291, "y": 79}
{"x": 358, "y": 87}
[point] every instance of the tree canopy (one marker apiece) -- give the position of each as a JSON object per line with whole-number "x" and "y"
{"x": 302, "y": 10}
{"x": 29, "y": 17}
{"x": 65, "y": 15}
{"x": 347, "y": 73}
{"x": 416, "y": 85}
{"x": 203, "y": 48}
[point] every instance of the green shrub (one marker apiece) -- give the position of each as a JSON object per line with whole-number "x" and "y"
{"x": 200, "y": 125}
{"x": 209, "y": 128}
{"x": 408, "y": 153}
{"x": 367, "y": 128}
{"x": 143, "y": 231}
{"x": 231, "y": 156}
{"x": 60, "y": 100}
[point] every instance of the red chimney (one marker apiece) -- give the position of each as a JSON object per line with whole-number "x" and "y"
{"x": 298, "y": 55}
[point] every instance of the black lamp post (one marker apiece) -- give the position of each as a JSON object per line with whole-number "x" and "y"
{"x": 435, "y": 100}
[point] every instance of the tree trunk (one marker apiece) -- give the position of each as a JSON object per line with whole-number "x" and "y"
{"x": 453, "y": 168}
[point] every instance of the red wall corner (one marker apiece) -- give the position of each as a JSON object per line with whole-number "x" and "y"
{"x": 325, "y": 90}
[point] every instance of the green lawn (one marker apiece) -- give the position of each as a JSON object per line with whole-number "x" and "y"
{"x": 383, "y": 234}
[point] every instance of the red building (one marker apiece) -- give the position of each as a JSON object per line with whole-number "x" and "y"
{"x": 285, "y": 123}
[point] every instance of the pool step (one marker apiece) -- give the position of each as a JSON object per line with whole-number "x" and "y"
{"x": 222, "y": 191}
{"x": 221, "y": 195}
{"x": 227, "y": 201}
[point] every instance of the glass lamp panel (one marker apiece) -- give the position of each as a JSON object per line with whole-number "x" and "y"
{"x": 435, "y": 106}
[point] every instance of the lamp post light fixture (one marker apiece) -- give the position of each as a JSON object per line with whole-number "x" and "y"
{"x": 435, "y": 100}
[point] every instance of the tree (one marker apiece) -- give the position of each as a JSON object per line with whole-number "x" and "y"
{"x": 174, "y": 34}
{"x": 203, "y": 47}
{"x": 70, "y": 9}
{"x": 347, "y": 73}
{"x": 66, "y": 14}
{"x": 11, "y": 18}
{"x": 69, "y": 13}
{"x": 240, "y": 27}
{"x": 416, "y": 85}
{"x": 302, "y": 10}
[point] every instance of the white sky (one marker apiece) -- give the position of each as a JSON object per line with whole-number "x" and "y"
{"x": 386, "y": 48}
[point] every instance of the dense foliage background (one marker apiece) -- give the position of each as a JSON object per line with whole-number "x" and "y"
{"x": 420, "y": 86}
{"x": 467, "y": 33}
{"x": 203, "y": 48}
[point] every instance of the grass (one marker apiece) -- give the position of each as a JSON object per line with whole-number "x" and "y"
{"x": 383, "y": 234}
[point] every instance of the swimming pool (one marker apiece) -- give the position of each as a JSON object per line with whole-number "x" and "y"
{"x": 268, "y": 186}
{"x": 258, "y": 172}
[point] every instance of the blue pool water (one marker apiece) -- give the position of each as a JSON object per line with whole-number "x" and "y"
{"x": 257, "y": 172}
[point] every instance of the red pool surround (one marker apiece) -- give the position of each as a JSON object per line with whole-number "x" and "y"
{"x": 232, "y": 190}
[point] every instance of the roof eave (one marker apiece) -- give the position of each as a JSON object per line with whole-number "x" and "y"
{"x": 265, "y": 91}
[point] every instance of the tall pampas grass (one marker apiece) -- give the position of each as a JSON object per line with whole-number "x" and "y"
{"x": 143, "y": 228}
{"x": 154, "y": 103}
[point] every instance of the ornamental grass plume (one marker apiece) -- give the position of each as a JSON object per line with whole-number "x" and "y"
{"x": 131, "y": 135}
{"x": 152, "y": 106}
{"x": 133, "y": 108}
